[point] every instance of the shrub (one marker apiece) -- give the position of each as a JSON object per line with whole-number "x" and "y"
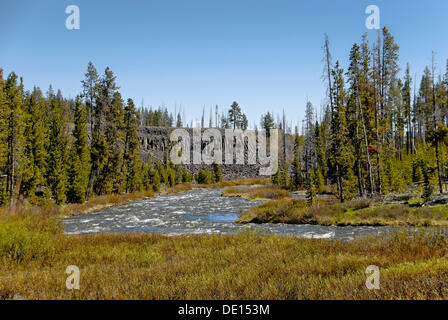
{"x": 19, "y": 243}
{"x": 203, "y": 177}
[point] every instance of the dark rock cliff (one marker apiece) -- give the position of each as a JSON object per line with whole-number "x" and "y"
{"x": 155, "y": 141}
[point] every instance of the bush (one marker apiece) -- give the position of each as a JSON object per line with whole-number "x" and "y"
{"x": 155, "y": 180}
{"x": 203, "y": 177}
{"x": 19, "y": 243}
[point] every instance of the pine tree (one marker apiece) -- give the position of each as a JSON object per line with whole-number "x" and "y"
{"x": 155, "y": 180}
{"x": 13, "y": 119}
{"x": 296, "y": 180}
{"x": 319, "y": 181}
{"x": 341, "y": 158}
{"x": 90, "y": 90}
{"x": 105, "y": 95}
{"x": 217, "y": 173}
{"x": 131, "y": 155}
{"x": 276, "y": 178}
{"x": 235, "y": 115}
{"x": 3, "y": 143}
{"x": 56, "y": 173}
{"x": 284, "y": 178}
{"x": 36, "y": 141}
{"x": 79, "y": 168}
{"x": 171, "y": 177}
{"x": 267, "y": 123}
{"x": 309, "y": 157}
{"x": 110, "y": 178}
{"x": 406, "y": 95}
{"x": 203, "y": 176}
{"x": 310, "y": 187}
{"x": 354, "y": 108}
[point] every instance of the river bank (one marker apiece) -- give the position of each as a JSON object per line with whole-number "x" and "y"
{"x": 326, "y": 211}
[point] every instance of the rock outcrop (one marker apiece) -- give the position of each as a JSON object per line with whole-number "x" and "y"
{"x": 155, "y": 141}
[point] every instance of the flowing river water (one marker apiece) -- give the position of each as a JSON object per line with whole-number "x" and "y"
{"x": 200, "y": 211}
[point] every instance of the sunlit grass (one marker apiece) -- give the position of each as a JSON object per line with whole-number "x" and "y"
{"x": 260, "y": 193}
{"x": 35, "y": 254}
{"x": 235, "y": 183}
{"x": 245, "y": 266}
{"x": 351, "y": 213}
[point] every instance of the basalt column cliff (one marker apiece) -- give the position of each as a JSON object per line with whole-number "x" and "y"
{"x": 155, "y": 142}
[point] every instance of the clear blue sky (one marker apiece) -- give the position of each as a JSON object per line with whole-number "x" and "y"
{"x": 264, "y": 54}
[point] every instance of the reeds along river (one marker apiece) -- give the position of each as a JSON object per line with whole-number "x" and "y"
{"x": 200, "y": 211}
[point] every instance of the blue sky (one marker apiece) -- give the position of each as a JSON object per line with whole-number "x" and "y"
{"x": 264, "y": 54}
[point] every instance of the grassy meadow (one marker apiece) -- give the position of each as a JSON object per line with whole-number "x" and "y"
{"x": 281, "y": 208}
{"x": 35, "y": 254}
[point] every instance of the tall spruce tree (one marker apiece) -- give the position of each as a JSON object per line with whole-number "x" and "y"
{"x": 79, "y": 161}
{"x": 13, "y": 119}
{"x": 56, "y": 173}
{"x": 109, "y": 178}
{"x": 132, "y": 161}
{"x": 341, "y": 159}
{"x": 35, "y": 143}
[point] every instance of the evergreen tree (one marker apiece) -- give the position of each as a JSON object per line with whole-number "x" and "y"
{"x": 276, "y": 178}
{"x": 235, "y": 115}
{"x": 284, "y": 177}
{"x": 3, "y": 143}
{"x": 203, "y": 177}
{"x": 296, "y": 180}
{"x": 217, "y": 173}
{"x": 12, "y": 118}
{"x": 310, "y": 188}
{"x": 267, "y": 122}
{"x": 56, "y": 173}
{"x": 36, "y": 140}
{"x": 110, "y": 178}
{"x": 90, "y": 90}
{"x": 132, "y": 149}
{"x": 155, "y": 180}
{"x": 79, "y": 161}
{"x": 341, "y": 159}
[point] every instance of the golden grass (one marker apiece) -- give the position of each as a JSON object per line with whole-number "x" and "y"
{"x": 257, "y": 194}
{"x": 352, "y": 213}
{"x": 245, "y": 266}
{"x": 35, "y": 254}
{"x": 235, "y": 183}
{"x": 178, "y": 188}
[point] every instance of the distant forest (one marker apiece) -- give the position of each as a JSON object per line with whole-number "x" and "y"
{"x": 377, "y": 134}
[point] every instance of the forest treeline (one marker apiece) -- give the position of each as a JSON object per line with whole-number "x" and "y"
{"x": 66, "y": 150}
{"x": 378, "y": 133}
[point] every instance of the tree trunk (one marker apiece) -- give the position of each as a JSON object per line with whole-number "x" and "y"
{"x": 369, "y": 162}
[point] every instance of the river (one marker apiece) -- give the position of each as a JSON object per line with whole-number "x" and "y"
{"x": 200, "y": 211}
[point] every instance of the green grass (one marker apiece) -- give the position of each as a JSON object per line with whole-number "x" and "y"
{"x": 352, "y": 213}
{"x": 245, "y": 266}
{"x": 235, "y": 183}
{"x": 35, "y": 254}
{"x": 257, "y": 194}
